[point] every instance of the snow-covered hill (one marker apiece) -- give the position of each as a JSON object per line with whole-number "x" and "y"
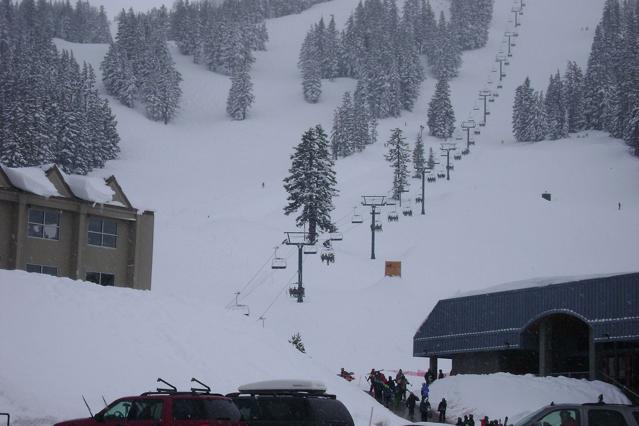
{"x": 216, "y": 227}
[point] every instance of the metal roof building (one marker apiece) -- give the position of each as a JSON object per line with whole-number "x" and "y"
{"x": 584, "y": 327}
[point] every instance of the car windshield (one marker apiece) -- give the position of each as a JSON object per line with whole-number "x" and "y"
{"x": 529, "y": 417}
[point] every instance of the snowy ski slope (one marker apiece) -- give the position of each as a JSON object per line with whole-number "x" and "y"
{"x": 216, "y": 227}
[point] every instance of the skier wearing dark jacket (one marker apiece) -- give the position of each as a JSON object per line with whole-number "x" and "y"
{"x": 442, "y": 410}
{"x": 410, "y": 403}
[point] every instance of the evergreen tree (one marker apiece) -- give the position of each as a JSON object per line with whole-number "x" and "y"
{"x": 555, "y": 108}
{"x": 161, "y": 87}
{"x": 523, "y": 108}
{"x": 311, "y": 183}
{"x": 310, "y": 66}
{"x": 441, "y": 117}
{"x": 419, "y": 160}
{"x": 538, "y": 125}
{"x": 398, "y": 156}
{"x": 342, "y": 135}
{"x": 446, "y": 56}
{"x": 596, "y": 83}
{"x": 240, "y": 96}
{"x": 574, "y": 96}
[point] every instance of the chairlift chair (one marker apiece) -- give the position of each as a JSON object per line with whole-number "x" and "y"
{"x": 457, "y": 156}
{"x": 378, "y": 227}
{"x": 278, "y": 262}
{"x": 477, "y": 132}
{"x": 327, "y": 255}
{"x": 431, "y": 178}
{"x": 491, "y": 99}
{"x": 407, "y": 210}
{"x": 310, "y": 249}
{"x": 482, "y": 124}
{"x": 476, "y": 108}
{"x": 465, "y": 151}
{"x": 294, "y": 291}
{"x": 357, "y": 218}
{"x": 471, "y": 142}
{"x": 336, "y": 236}
{"x": 418, "y": 199}
{"x": 393, "y": 216}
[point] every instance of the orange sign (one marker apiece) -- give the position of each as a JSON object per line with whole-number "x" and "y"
{"x": 393, "y": 268}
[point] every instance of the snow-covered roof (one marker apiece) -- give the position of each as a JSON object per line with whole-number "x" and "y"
{"x": 89, "y": 188}
{"x": 31, "y": 179}
{"x": 533, "y": 282}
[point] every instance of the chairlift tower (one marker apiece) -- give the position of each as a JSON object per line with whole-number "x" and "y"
{"x": 516, "y": 10}
{"x": 300, "y": 240}
{"x": 467, "y": 125}
{"x": 501, "y": 59}
{"x": 447, "y": 148}
{"x": 374, "y": 201}
{"x": 485, "y": 94}
{"x": 509, "y": 35}
{"x": 423, "y": 172}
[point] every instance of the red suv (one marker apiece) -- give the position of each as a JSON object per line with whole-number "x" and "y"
{"x": 166, "y": 407}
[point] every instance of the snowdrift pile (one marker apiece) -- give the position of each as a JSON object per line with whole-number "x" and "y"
{"x": 500, "y": 395}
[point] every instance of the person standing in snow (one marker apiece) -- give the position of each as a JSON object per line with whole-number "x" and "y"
{"x": 425, "y": 390}
{"x": 442, "y": 410}
{"x": 424, "y": 409}
{"x": 410, "y": 403}
{"x": 459, "y": 421}
{"x": 471, "y": 420}
{"x": 441, "y": 374}
{"x": 392, "y": 388}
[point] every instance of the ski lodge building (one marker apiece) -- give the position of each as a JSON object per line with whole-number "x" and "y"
{"x": 73, "y": 226}
{"x": 584, "y": 328}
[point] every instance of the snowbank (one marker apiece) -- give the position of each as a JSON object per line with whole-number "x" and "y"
{"x": 502, "y": 394}
{"x": 31, "y": 179}
{"x": 65, "y": 339}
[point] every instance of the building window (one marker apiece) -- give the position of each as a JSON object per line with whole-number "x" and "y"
{"x": 44, "y": 224}
{"x": 101, "y": 278}
{"x": 40, "y": 269}
{"x": 102, "y": 232}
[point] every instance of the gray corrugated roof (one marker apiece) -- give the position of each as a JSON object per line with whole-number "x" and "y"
{"x": 494, "y": 321}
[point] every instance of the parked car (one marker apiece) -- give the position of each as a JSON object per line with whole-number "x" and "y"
{"x": 166, "y": 407}
{"x": 599, "y": 414}
{"x": 290, "y": 402}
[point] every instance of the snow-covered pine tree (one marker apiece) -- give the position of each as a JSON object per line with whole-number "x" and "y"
{"x": 538, "y": 125}
{"x": 555, "y": 108}
{"x": 310, "y": 66}
{"x": 596, "y": 82}
{"x": 330, "y": 60}
{"x": 441, "y": 117}
{"x": 240, "y": 96}
{"x": 419, "y": 159}
{"x": 342, "y": 135}
{"x": 523, "y": 108}
{"x": 426, "y": 30}
{"x": 311, "y": 183}
{"x": 574, "y": 96}
{"x": 161, "y": 88}
{"x": 446, "y": 55}
{"x": 398, "y": 156}
{"x": 411, "y": 73}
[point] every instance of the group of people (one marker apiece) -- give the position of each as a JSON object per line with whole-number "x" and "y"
{"x": 388, "y": 390}
{"x": 470, "y": 421}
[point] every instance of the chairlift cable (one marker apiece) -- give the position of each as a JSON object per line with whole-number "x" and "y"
{"x": 279, "y": 293}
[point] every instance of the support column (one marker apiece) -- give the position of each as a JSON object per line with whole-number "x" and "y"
{"x": 592, "y": 355}
{"x": 20, "y": 232}
{"x": 80, "y": 243}
{"x": 433, "y": 366}
{"x": 543, "y": 336}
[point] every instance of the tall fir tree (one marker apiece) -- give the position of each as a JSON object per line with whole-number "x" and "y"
{"x": 311, "y": 183}
{"x": 441, "y": 117}
{"x": 555, "y": 107}
{"x": 574, "y": 96}
{"x": 398, "y": 156}
{"x": 240, "y": 96}
{"x": 523, "y": 108}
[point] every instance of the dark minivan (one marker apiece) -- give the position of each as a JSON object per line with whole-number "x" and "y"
{"x": 288, "y": 403}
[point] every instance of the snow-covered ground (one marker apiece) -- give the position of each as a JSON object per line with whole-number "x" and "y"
{"x": 216, "y": 227}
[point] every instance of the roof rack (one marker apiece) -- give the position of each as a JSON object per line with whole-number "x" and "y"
{"x": 172, "y": 390}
